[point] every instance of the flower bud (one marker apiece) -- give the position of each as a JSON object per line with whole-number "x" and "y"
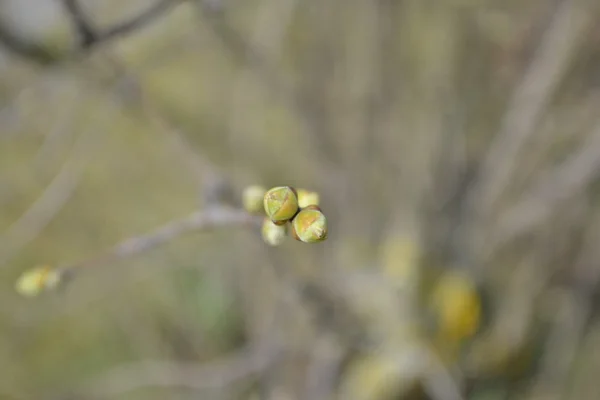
{"x": 36, "y": 280}
{"x": 272, "y": 233}
{"x": 281, "y": 203}
{"x": 252, "y": 198}
{"x": 307, "y": 198}
{"x": 457, "y": 303}
{"x": 310, "y": 225}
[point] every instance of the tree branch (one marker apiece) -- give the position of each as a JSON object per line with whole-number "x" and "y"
{"x": 89, "y": 36}
{"x": 211, "y": 218}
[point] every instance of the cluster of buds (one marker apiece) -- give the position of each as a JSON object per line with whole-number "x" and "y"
{"x": 287, "y": 210}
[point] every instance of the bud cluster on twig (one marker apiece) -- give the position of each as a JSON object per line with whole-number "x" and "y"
{"x": 287, "y": 210}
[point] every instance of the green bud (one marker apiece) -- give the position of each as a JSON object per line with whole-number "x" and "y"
{"x": 281, "y": 203}
{"x": 307, "y": 198}
{"x": 272, "y": 233}
{"x": 310, "y": 225}
{"x": 252, "y": 198}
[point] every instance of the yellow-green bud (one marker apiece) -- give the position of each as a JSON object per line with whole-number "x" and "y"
{"x": 307, "y": 198}
{"x": 252, "y": 198}
{"x": 310, "y": 225}
{"x": 272, "y": 233}
{"x": 281, "y": 203}
{"x": 36, "y": 280}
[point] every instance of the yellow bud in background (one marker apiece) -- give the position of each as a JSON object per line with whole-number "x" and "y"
{"x": 457, "y": 305}
{"x": 387, "y": 374}
{"x": 310, "y": 225}
{"x": 281, "y": 203}
{"x": 272, "y": 233}
{"x": 36, "y": 280}
{"x": 252, "y": 198}
{"x": 307, "y": 198}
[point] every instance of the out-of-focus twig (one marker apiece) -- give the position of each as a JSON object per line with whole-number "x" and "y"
{"x": 54, "y": 197}
{"x": 89, "y": 36}
{"x": 215, "y": 188}
{"x": 556, "y": 185}
{"x": 575, "y": 307}
{"x": 530, "y": 99}
{"x": 85, "y": 28}
{"x": 219, "y": 374}
{"x": 268, "y": 33}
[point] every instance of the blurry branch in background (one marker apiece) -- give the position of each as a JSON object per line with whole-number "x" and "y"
{"x": 215, "y": 188}
{"x": 211, "y": 218}
{"x": 531, "y": 97}
{"x": 572, "y": 310}
{"x": 37, "y": 280}
{"x": 565, "y": 181}
{"x": 220, "y": 374}
{"x": 326, "y": 359}
{"x": 270, "y": 27}
{"x": 54, "y": 197}
{"x": 89, "y": 37}
{"x": 255, "y": 60}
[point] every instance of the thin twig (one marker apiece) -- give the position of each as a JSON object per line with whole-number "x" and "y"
{"x": 54, "y": 197}
{"x": 212, "y": 218}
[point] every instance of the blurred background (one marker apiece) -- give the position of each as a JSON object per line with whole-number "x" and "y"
{"x": 455, "y": 146}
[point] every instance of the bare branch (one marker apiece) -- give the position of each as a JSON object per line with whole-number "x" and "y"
{"x": 216, "y": 217}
